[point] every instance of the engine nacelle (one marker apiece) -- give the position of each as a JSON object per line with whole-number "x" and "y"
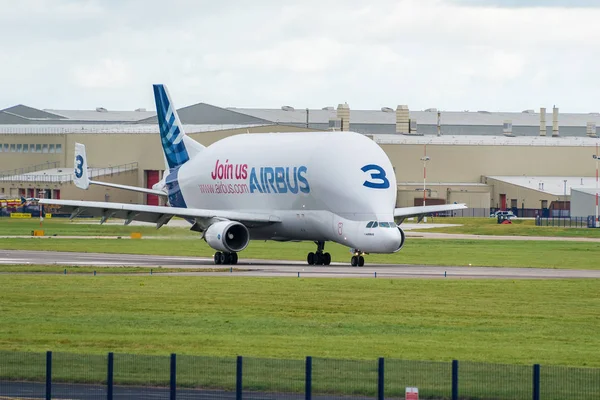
{"x": 229, "y": 236}
{"x": 402, "y": 237}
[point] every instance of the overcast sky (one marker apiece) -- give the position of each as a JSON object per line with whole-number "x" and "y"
{"x": 450, "y": 54}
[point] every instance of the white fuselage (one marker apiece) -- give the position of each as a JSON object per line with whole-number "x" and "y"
{"x": 323, "y": 186}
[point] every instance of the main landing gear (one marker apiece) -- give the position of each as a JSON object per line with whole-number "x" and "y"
{"x": 357, "y": 260}
{"x": 319, "y": 258}
{"x": 226, "y": 258}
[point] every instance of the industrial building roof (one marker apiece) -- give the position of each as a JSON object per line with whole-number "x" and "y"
{"x": 554, "y": 185}
{"x": 482, "y": 140}
{"x": 103, "y": 116}
{"x": 382, "y": 121}
{"x": 108, "y": 128}
{"x": 587, "y": 190}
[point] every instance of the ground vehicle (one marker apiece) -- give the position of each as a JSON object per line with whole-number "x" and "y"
{"x": 508, "y": 214}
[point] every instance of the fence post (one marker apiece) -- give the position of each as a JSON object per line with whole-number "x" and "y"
{"x": 308, "y": 379}
{"x": 536, "y": 382}
{"x": 109, "y": 376}
{"x": 173, "y": 385}
{"x": 48, "y": 375}
{"x": 238, "y": 379}
{"x": 380, "y": 379}
{"x": 454, "y": 379}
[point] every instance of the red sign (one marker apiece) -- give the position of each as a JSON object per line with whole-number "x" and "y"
{"x": 412, "y": 393}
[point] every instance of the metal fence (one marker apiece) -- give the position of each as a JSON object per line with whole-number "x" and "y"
{"x": 572, "y": 222}
{"x": 126, "y": 376}
{"x": 33, "y": 168}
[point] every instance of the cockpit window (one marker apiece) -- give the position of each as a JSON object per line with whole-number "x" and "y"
{"x": 370, "y": 224}
{"x": 392, "y": 224}
{"x": 384, "y": 225}
{"x": 374, "y": 224}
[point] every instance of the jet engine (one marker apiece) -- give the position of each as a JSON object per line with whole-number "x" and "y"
{"x": 402, "y": 237}
{"x": 228, "y": 236}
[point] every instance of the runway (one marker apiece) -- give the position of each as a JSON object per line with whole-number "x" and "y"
{"x": 273, "y": 268}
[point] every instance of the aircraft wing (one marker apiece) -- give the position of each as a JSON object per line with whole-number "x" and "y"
{"x": 157, "y": 214}
{"x": 406, "y": 212}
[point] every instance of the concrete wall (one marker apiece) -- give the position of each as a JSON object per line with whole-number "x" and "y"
{"x": 11, "y": 161}
{"x": 475, "y": 196}
{"x": 526, "y": 198}
{"x": 582, "y": 204}
{"x": 454, "y": 163}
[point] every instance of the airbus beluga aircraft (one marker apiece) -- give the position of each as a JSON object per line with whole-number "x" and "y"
{"x": 306, "y": 186}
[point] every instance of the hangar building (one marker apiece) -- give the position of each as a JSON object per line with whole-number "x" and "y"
{"x": 481, "y": 158}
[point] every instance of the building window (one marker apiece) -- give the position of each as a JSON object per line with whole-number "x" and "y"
{"x": 13, "y": 148}
{"x": 544, "y": 203}
{"x": 38, "y": 148}
{"x": 59, "y": 148}
{"x": 19, "y": 148}
{"x": 513, "y": 203}
{"x": 6, "y": 147}
{"x": 45, "y": 148}
{"x": 51, "y": 149}
{"x": 25, "y": 148}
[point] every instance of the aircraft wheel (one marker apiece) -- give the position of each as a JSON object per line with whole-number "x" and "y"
{"x": 361, "y": 261}
{"x": 223, "y": 258}
{"x": 354, "y": 261}
{"x": 318, "y": 259}
{"x": 234, "y": 258}
{"x": 326, "y": 259}
{"x": 310, "y": 259}
{"x": 217, "y": 257}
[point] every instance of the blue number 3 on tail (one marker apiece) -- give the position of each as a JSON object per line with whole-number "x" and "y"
{"x": 78, "y": 166}
{"x": 378, "y": 176}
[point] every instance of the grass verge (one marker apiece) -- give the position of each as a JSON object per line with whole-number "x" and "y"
{"x": 519, "y": 227}
{"x": 535, "y": 254}
{"x": 74, "y": 269}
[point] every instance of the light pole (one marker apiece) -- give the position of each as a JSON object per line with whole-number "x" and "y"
{"x": 565, "y": 199}
{"x": 595, "y": 156}
{"x": 425, "y": 158}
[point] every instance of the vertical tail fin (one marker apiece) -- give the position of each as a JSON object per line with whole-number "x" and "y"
{"x": 171, "y": 130}
{"x": 80, "y": 167}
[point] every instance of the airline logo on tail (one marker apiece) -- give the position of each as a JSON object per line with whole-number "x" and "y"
{"x": 171, "y": 132}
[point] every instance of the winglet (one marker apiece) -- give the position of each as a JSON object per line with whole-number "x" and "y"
{"x": 80, "y": 168}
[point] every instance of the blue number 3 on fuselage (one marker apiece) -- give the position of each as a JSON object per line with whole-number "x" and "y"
{"x": 381, "y": 181}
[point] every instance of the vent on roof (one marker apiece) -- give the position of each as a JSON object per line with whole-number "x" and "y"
{"x": 287, "y": 108}
{"x": 101, "y": 109}
{"x": 328, "y": 108}
{"x": 140, "y": 110}
{"x": 387, "y": 109}
{"x": 529, "y": 111}
{"x": 431, "y": 109}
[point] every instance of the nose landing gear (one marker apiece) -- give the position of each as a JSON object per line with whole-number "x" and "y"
{"x": 357, "y": 259}
{"x": 319, "y": 258}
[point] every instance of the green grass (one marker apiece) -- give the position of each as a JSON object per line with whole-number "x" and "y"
{"x": 74, "y": 269}
{"x": 519, "y": 227}
{"x": 276, "y": 322}
{"x": 83, "y": 227}
{"x": 553, "y": 322}
{"x": 536, "y": 254}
